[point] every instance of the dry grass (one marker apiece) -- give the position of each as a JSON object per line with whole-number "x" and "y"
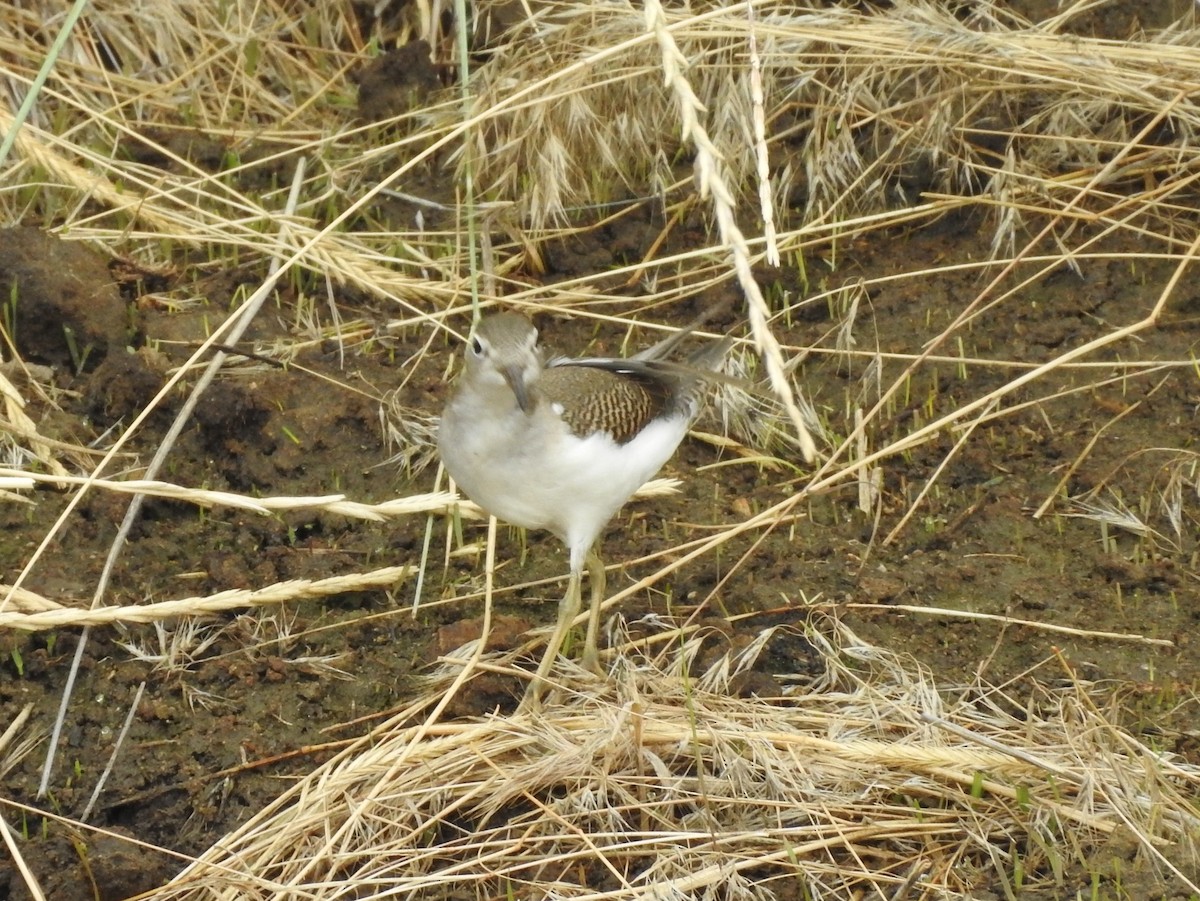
{"x": 657, "y": 784}
{"x": 864, "y": 779}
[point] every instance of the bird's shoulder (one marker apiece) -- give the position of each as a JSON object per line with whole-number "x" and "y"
{"x": 620, "y": 397}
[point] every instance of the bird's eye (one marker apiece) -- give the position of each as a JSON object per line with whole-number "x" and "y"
{"x": 476, "y": 347}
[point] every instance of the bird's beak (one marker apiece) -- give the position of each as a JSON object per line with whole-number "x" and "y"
{"x": 515, "y": 376}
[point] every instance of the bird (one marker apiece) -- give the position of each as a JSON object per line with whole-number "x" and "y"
{"x": 562, "y": 444}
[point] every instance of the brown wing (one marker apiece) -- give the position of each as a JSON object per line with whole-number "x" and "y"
{"x": 605, "y": 397}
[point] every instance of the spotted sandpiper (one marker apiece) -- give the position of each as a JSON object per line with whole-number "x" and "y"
{"x": 562, "y": 445}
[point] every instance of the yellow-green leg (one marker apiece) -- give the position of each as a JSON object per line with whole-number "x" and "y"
{"x": 568, "y": 609}
{"x": 591, "y": 656}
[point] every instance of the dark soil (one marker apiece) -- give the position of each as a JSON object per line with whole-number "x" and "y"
{"x": 214, "y": 737}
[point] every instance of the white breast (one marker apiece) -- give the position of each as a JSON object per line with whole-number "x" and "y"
{"x": 532, "y": 472}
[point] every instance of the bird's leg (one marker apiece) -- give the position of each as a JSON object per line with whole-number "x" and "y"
{"x": 568, "y": 608}
{"x": 591, "y": 656}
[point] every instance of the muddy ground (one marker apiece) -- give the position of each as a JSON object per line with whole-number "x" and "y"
{"x": 214, "y": 738}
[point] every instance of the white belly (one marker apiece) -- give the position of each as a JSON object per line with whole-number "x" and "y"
{"x": 546, "y": 478}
